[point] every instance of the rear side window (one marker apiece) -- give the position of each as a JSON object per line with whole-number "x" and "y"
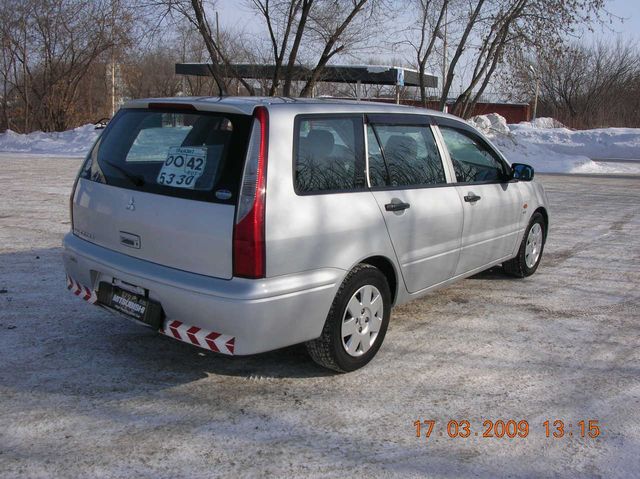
{"x": 188, "y": 154}
{"x": 329, "y": 154}
{"x": 403, "y": 155}
{"x": 473, "y": 161}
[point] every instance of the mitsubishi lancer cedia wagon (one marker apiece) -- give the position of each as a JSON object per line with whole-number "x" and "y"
{"x": 243, "y": 225}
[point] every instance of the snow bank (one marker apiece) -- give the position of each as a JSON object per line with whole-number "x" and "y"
{"x": 600, "y": 143}
{"x": 76, "y": 142}
{"x": 549, "y": 147}
{"x": 493, "y": 123}
{"x": 540, "y": 123}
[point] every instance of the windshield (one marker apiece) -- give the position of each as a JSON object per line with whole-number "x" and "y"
{"x": 189, "y": 154}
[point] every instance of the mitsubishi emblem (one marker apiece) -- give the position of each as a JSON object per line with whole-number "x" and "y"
{"x": 131, "y": 206}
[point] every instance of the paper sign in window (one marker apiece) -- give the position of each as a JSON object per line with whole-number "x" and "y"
{"x": 182, "y": 167}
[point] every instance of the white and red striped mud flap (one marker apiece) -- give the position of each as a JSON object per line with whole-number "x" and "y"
{"x": 83, "y": 292}
{"x": 219, "y": 343}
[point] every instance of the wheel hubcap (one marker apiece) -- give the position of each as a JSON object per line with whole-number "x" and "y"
{"x": 362, "y": 320}
{"x": 533, "y": 246}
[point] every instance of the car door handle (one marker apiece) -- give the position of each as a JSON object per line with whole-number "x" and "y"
{"x": 472, "y": 198}
{"x": 396, "y": 206}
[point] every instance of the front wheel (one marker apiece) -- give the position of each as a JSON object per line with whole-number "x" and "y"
{"x": 530, "y": 252}
{"x": 357, "y": 322}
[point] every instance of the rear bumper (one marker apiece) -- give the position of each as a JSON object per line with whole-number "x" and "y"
{"x": 260, "y": 315}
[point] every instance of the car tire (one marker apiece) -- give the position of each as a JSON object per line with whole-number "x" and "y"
{"x": 530, "y": 251}
{"x": 356, "y": 323}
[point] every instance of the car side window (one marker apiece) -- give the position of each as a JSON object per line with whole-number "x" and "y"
{"x": 329, "y": 154}
{"x": 473, "y": 162}
{"x": 403, "y": 155}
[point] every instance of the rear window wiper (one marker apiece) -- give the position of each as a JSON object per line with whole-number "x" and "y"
{"x": 136, "y": 180}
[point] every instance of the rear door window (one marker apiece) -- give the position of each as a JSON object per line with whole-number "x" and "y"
{"x": 329, "y": 154}
{"x": 190, "y": 154}
{"x": 403, "y": 155}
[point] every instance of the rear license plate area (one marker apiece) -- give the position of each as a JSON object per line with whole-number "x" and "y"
{"x": 134, "y": 305}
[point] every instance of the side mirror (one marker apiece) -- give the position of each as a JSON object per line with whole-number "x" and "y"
{"x": 522, "y": 172}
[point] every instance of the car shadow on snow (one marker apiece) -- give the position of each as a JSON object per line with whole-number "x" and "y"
{"x": 52, "y": 340}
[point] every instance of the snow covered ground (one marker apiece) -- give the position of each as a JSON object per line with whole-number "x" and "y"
{"x": 545, "y": 144}
{"x": 549, "y": 147}
{"x": 84, "y": 393}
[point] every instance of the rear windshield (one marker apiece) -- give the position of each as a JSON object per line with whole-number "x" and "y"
{"x": 188, "y": 154}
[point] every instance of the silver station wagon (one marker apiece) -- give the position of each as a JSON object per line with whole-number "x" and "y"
{"x": 243, "y": 225}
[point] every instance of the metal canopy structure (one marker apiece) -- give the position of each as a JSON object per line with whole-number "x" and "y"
{"x": 365, "y": 74}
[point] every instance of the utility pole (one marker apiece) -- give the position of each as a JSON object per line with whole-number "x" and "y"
{"x": 535, "y": 100}
{"x": 113, "y": 63}
{"x": 113, "y": 84}
{"x": 444, "y": 53}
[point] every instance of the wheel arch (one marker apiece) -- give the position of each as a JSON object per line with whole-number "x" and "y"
{"x": 543, "y": 211}
{"x": 387, "y": 268}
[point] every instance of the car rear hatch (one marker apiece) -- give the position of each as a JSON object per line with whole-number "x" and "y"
{"x": 162, "y": 184}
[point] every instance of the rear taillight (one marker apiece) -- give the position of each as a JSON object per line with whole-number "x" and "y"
{"x": 73, "y": 193}
{"x": 248, "y": 234}
{"x": 84, "y": 170}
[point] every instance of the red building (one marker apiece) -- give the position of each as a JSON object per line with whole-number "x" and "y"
{"x": 512, "y": 112}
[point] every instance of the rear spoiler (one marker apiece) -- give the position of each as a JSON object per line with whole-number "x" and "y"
{"x": 193, "y": 104}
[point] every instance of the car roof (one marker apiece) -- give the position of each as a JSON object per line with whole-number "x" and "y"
{"x": 246, "y": 104}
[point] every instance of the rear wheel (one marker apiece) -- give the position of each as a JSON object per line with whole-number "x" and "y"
{"x": 357, "y": 322}
{"x": 530, "y": 252}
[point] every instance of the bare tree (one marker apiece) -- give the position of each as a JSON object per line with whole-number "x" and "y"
{"x": 149, "y": 68}
{"x": 284, "y": 18}
{"x": 483, "y": 32}
{"x": 54, "y": 44}
{"x": 584, "y": 86}
{"x": 472, "y": 20}
{"x": 335, "y": 26}
{"x": 489, "y": 55}
{"x": 428, "y": 29}
{"x": 191, "y": 48}
{"x": 7, "y": 65}
{"x": 59, "y": 59}
{"x": 151, "y": 73}
{"x": 195, "y": 12}
{"x": 521, "y": 25}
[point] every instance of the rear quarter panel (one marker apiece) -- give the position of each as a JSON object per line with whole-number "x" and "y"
{"x": 306, "y": 232}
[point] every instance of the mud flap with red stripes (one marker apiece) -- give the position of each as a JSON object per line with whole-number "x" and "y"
{"x": 219, "y": 343}
{"x": 81, "y": 291}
